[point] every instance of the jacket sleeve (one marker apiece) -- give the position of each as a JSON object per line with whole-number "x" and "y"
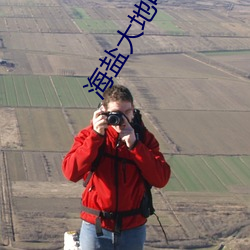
{"x": 151, "y": 161}
{"x": 83, "y": 152}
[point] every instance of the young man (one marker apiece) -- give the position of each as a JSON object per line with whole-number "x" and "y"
{"x": 113, "y": 197}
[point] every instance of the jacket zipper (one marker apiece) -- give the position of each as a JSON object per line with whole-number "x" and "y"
{"x": 124, "y": 171}
{"x": 116, "y": 166}
{"x": 116, "y": 177}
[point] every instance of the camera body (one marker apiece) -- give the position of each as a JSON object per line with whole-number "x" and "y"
{"x": 114, "y": 117}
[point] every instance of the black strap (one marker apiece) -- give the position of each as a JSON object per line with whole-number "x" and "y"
{"x": 110, "y": 215}
{"x": 150, "y": 198}
{"x": 97, "y": 160}
{"x": 98, "y": 227}
{"x": 95, "y": 164}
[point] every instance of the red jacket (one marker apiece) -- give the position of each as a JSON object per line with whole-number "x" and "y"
{"x": 101, "y": 192}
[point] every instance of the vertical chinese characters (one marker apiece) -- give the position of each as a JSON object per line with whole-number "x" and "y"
{"x": 99, "y": 81}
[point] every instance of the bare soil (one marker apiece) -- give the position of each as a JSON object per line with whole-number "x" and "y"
{"x": 10, "y": 134}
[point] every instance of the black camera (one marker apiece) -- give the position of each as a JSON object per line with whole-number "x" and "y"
{"x": 114, "y": 118}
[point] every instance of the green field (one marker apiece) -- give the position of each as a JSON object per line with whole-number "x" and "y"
{"x": 79, "y": 13}
{"x": 87, "y": 23}
{"x": 45, "y": 91}
{"x": 226, "y": 53}
{"x": 166, "y": 22}
{"x": 208, "y": 173}
{"x": 97, "y": 26}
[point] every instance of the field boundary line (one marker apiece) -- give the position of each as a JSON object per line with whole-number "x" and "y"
{"x": 70, "y": 91}
{"x": 7, "y": 206}
{"x": 14, "y": 85}
{"x": 7, "y": 95}
{"x": 25, "y": 83}
{"x": 175, "y": 148}
{"x": 204, "y": 110}
{"x": 5, "y": 92}
{"x": 53, "y": 85}
{"x": 174, "y": 213}
{"x": 232, "y": 171}
{"x": 40, "y": 83}
{"x": 197, "y": 177}
{"x": 182, "y": 184}
{"x": 142, "y": 110}
{"x": 67, "y": 119}
{"x": 248, "y": 166}
{"x": 214, "y": 172}
{"x": 84, "y": 93}
{"x": 25, "y": 166}
{"x": 171, "y": 154}
{"x": 216, "y": 67}
{"x": 79, "y": 29}
{"x": 32, "y": 151}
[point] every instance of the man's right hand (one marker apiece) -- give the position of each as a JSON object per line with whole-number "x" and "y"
{"x": 100, "y": 122}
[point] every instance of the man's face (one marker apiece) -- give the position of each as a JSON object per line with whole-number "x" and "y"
{"x": 124, "y": 107}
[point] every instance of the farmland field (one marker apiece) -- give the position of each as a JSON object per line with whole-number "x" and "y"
{"x": 97, "y": 26}
{"x": 209, "y": 173}
{"x": 189, "y": 74}
{"x": 166, "y": 23}
{"x": 237, "y": 59}
{"x": 45, "y": 91}
{"x": 216, "y": 132}
{"x": 9, "y": 136}
{"x": 41, "y": 129}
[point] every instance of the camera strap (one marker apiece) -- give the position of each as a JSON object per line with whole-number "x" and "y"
{"x": 95, "y": 163}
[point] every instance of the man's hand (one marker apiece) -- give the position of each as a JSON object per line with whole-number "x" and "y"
{"x": 127, "y": 133}
{"x": 100, "y": 122}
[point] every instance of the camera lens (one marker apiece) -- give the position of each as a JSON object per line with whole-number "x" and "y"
{"x": 114, "y": 119}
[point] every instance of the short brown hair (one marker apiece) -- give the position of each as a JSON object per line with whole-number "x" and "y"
{"x": 117, "y": 93}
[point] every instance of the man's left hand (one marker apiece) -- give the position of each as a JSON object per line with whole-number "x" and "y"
{"x": 127, "y": 133}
